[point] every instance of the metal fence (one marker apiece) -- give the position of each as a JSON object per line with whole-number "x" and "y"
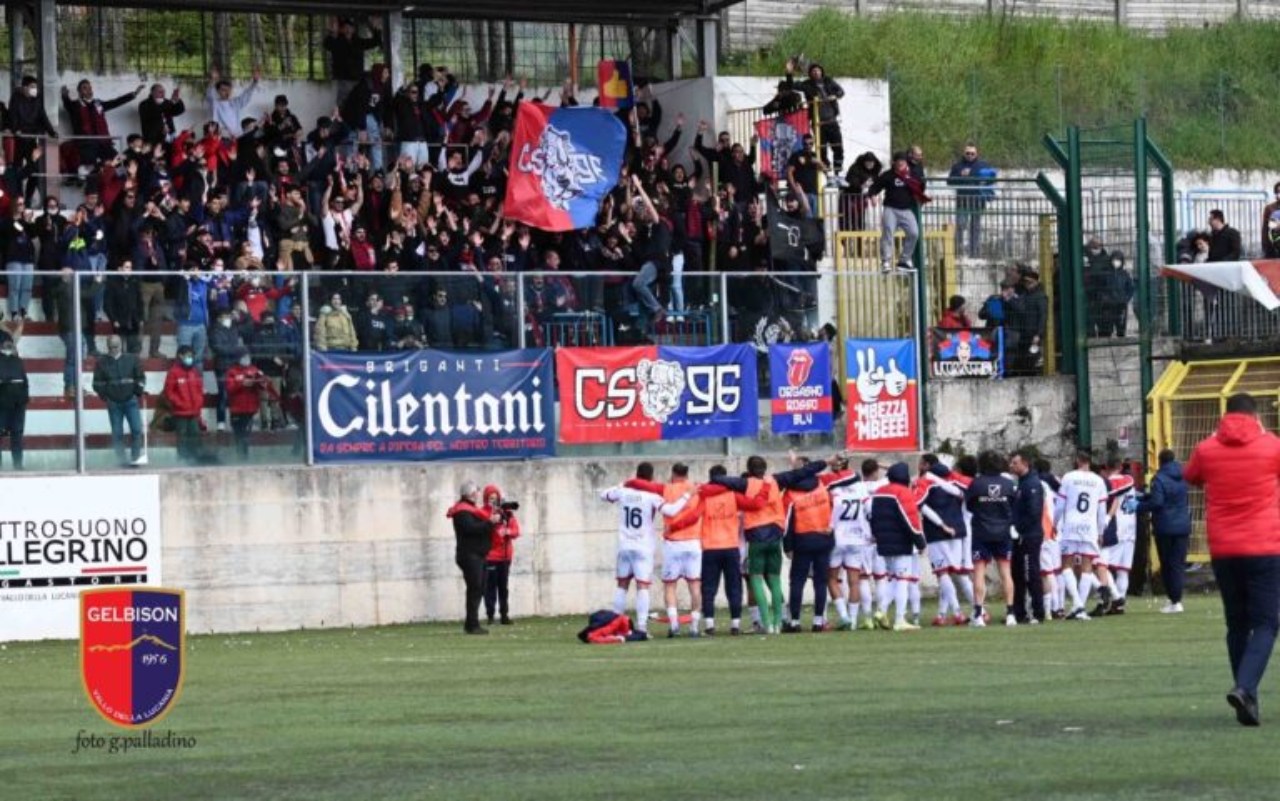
{"x": 69, "y": 427}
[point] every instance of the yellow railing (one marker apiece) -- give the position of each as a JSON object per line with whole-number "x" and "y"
{"x": 886, "y": 308}
{"x": 1185, "y": 405}
{"x": 1048, "y": 238}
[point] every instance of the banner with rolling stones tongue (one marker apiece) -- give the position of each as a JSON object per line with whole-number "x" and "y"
{"x": 883, "y": 394}
{"x": 800, "y": 388}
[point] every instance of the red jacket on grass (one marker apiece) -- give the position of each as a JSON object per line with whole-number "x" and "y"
{"x": 1239, "y": 468}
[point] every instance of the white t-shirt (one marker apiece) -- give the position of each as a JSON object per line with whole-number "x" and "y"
{"x": 1083, "y": 513}
{"x": 850, "y": 505}
{"x": 637, "y": 512}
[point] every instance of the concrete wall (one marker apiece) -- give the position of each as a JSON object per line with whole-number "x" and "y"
{"x": 274, "y": 549}
{"x": 1004, "y": 415}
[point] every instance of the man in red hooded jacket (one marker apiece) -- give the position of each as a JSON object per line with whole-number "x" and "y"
{"x": 1239, "y": 468}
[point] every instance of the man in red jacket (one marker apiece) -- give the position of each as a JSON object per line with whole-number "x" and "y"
{"x": 184, "y": 390}
{"x": 497, "y": 563}
{"x": 1239, "y": 468}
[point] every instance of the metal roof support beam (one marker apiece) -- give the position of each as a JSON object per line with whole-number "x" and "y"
{"x": 393, "y": 43}
{"x": 708, "y": 46}
{"x": 46, "y": 35}
{"x": 675, "y": 51}
{"x": 16, "y": 19}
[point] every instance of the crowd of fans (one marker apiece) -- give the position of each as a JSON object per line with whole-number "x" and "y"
{"x": 396, "y": 181}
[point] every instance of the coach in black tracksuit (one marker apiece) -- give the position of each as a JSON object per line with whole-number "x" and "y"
{"x": 1028, "y": 519}
{"x": 473, "y": 527}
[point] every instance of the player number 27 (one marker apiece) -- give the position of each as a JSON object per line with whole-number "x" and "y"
{"x": 849, "y": 509}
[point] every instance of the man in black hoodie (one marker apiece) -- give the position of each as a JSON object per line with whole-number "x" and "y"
{"x": 1028, "y": 519}
{"x": 473, "y": 528}
{"x": 15, "y": 393}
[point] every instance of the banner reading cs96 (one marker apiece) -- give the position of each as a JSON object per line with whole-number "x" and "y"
{"x": 652, "y": 393}
{"x": 883, "y": 395}
{"x": 432, "y": 404}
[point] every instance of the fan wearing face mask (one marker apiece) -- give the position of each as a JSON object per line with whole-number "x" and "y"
{"x": 184, "y": 392}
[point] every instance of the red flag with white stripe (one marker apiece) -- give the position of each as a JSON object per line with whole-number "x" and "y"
{"x": 1259, "y": 280}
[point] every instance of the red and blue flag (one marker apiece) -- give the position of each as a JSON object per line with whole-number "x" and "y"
{"x": 564, "y": 161}
{"x": 781, "y": 138}
{"x": 613, "y": 80}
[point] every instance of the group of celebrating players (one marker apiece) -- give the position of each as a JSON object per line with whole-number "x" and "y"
{"x": 858, "y": 536}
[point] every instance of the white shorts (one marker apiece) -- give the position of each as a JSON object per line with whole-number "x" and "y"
{"x": 1050, "y": 557}
{"x": 945, "y": 556}
{"x": 861, "y": 558}
{"x": 637, "y": 565}
{"x": 1119, "y": 556}
{"x": 1078, "y": 548}
{"x": 878, "y": 567}
{"x": 900, "y": 567}
{"x": 681, "y": 559}
{"x": 966, "y": 554}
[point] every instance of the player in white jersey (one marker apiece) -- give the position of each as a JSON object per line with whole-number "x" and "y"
{"x": 638, "y": 509}
{"x": 854, "y": 550}
{"x": 1123, "y": 524}
{"x": 965, "y": 470}
{"x": 1080, "y": 523}
{"x": 941, "y": 502}
{"x": 1050, "y": 549}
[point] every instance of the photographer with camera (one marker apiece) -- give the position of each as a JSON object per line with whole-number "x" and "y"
{"x": 497, "y": 563}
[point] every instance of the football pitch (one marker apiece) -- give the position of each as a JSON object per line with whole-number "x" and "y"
{"x": 1123, "y": 708}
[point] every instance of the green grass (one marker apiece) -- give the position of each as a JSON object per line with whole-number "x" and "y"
{"x": 1122, "y": 708}
{"x": 1007, "y": 81}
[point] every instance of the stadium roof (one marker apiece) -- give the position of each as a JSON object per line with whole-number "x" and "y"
{"x": 592, "y": 12}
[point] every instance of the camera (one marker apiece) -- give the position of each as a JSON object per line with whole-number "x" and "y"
{"x": 510, "y": 506}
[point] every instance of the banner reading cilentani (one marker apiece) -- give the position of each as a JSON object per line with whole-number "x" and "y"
{"x": 652, "y": 393}
{"x": 958, "y": 352}
{"x": 432, "y": 404}
{"x": 59, "y": 536}
{"x": 883, "y": 395}
{"x": 800, "y": 388}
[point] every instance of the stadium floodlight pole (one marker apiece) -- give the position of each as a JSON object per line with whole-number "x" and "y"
{"x": 306, "y": 367}
{"x": 76, "y": 341}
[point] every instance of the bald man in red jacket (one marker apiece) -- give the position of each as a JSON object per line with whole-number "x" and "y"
{"x": 1239, "y": 468}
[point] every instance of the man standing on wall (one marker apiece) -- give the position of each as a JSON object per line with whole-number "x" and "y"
{"x": 972, "y": 178}
{"x": 1239, "y": 468}
{"x": 826, "y": 93}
